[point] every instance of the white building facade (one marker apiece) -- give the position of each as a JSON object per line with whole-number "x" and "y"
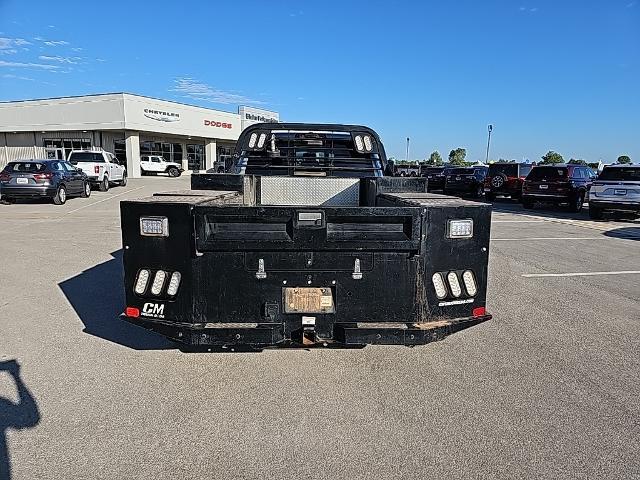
{"x": 127, "y": 125}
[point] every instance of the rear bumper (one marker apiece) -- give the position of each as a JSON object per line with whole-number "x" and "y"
{"x": 272, "y": 334}
{"x": 25, "y": 192}
{"x": 545, "y": 197}
{"x": 609, "y": 205}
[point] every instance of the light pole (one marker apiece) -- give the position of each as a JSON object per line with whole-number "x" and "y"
{"x": 489, "y": 128}
{"x": 407, "y": 159}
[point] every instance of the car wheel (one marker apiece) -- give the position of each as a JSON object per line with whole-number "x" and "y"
{"x": 528, "y": 204}
{"x": 595, "y": 213}
{"x": 86, "y": 190}
{"x": 61, "y": 196}
{"x": 104, "y": 184}
{"x": 490, "y": 196}
{"x": 173, "y": 172}
{"x": 7, "y": 200}
{"x": 576, "y": 203}
{"x": 123, "y": 182}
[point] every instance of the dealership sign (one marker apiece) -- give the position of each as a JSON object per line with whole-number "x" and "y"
{"x": 161, "y": 116}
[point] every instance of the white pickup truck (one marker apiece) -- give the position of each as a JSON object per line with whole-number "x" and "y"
{"x": 102, "y": 168}
{"x": 153, "y": 164}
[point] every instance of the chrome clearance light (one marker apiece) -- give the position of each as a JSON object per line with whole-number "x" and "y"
{"x": 158, "y": 282}
{"x": 141, "y": 281}
{"x": 359, "y": 144}
{"x": 253, "y": 139}
{"x": 262, "y": 139}
{"x": 460, "y": 228}
{"x": 454, "y": 283}
{"x": 368, "y": 145}
{"x": 154, "y": 226}
{"x": 470, "y": 283}
{"x": 438, "y": 284}
{"x": 174, "y": 283}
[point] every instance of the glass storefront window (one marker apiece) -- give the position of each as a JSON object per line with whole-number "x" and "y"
{"x": 120, "y": 151}
{"x": 67, "y": 144}
{"x": 195, "y": 157}
{"x": 171, "y": 152}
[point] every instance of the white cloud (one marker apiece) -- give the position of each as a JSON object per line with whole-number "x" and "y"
{"x": 10, "y": 44}
{"x": 8, "y": 51}
{"x": 52, "y": 43}
{"x": 77, "y": 49}
{"x": 58, "y": 58}
{"x": 17, "y": 77}
{"x": 191, "y": 88}
{"x": 100, "y": 60}
{"x": 534, "y": 9}
{"x": 27, "y": 65}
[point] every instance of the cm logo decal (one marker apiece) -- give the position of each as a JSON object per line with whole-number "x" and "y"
{"x": 155, "y": 310}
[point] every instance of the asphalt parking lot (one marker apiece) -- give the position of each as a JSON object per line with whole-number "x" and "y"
{"x": 548, "y": 389}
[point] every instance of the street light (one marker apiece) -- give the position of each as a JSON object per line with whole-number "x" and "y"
{"x": 407, "y": 150}
{"x": 489, "y": 128}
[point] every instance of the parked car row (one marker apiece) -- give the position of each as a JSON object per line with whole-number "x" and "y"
{"x": 60, "y": 179}
{"x": 616, "y": 188}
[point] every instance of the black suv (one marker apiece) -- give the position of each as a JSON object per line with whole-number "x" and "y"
{"x": 505, "y": 179}
{"x": 468, "y": 180}
{"x": 558, "y": 184}
{"x": 435, "y": 177}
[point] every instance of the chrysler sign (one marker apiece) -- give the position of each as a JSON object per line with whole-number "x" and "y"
{"x": 161, "y": 116}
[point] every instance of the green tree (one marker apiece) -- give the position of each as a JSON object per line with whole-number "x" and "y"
{"x": 435, "y": 159}
{"x": 577, "y": 161}
{"x": 457, "y": 156}
{"x": 624, "y": 160}
{"x": 552, "y": 157}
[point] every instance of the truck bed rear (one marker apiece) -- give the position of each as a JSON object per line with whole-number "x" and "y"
{"x": 269, "y": 261}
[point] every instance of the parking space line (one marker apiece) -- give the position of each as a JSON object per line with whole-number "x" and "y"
{"x": 580, "y": 274}
{"x": 547, "y": 238}
{"x": 104, "y": 200}
{"x": 517, "y": 221}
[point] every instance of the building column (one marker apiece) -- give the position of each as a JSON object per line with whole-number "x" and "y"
{"x": 132, "y": 144}
{"x": 210, "y": 151}
{"x": 185, "y": 157}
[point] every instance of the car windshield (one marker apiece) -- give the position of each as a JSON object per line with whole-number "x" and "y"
{"x": 93, "y": 157}
{"x": 621, "y": 173}
{"x": 548, "y": 173}
{"x": 26, "y": 167}
{"x": 508, "y": 169}
{"x": 461, "y": 171}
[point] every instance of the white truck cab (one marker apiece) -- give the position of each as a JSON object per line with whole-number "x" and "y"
{"x": 102, "y": 168}
{"x": 154, "y": 164}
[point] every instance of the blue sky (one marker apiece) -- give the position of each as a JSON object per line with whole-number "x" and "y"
{"x": 561, "y": 75}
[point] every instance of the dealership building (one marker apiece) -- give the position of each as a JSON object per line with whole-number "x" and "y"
{"x": 130, "y": 126}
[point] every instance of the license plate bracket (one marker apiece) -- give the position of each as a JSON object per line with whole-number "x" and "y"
{"x": 620, "y": 191}
{"x": 308, "y": 300}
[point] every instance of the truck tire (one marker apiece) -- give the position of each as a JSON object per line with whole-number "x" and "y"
{"x": 61, "y": 196}
{"x": 173, "y": 172}
{"x": 576, "y": 203}
{"x": 86, "y": 190}
{"x": 595, "y": 213}
{"x": 6, "y": 200}
{"x": 104, "y": 184}
{"x": 123, "y": 182}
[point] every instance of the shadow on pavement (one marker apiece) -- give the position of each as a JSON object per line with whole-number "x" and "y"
{"x": 97, "y": 296}
{"x": 15, "y": 415}
{"x": 627, "y": 233}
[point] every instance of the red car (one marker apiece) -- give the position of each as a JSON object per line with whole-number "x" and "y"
{"x": 505, "y": 179}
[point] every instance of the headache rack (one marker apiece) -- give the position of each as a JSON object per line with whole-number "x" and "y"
{"x": 308, "y": 150}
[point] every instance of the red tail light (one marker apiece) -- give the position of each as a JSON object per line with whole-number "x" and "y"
{"x": 479, "y": 311}
{"x": 96, "y": 169}
{"x": 131, "y": 311}
{"x": 43, "y": 176}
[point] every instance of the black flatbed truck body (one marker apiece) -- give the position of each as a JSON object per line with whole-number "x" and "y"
{"x": 262, "y": 268}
